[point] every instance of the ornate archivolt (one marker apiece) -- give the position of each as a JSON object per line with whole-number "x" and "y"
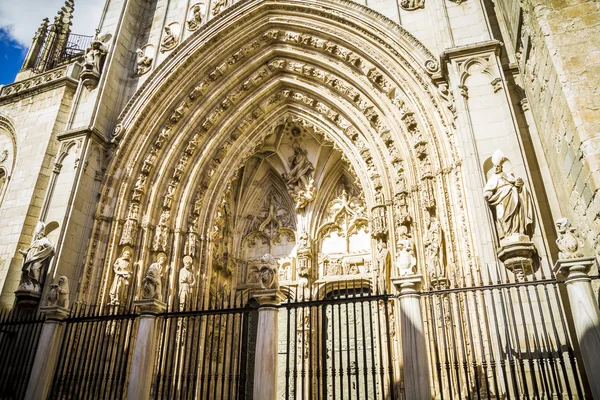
{"x": 375, "y": 103}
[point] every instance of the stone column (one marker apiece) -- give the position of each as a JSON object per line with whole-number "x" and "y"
{"x": 46, "y": 355}
{"x": 140, "y": 377}
{"x": 265, "y": 365}
{"x": 586, "y": 315}
{"x": 414, "y": 351}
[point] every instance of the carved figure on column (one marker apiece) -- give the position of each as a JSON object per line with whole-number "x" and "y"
{"x": 152, "y": 282}
{"x": 120, "y": 283}
{"x": 143, "y": 62}
{"x": 433, "y": 250}
{"x": 509, "y": 200}
{"x": 162, "y": 232}
{"x": 192, "y": 239}
{"x": 569, "y": 241}
{"x": 37, "y": 258}
{"x": 406, "y": 260}
{"x": 130, "y": 226}
{"x": 58, "y": 294}
{"x": 196, "y": 20}
{"x": 299, "y": 180}
{"x": 383, "y": 268}
{"x": 93, "y": 61}
{"x": 379, "y": 222}
{"x": 186, "y": 283}
{"x": 269, "y": 276}
{"x": 218, "y": 7}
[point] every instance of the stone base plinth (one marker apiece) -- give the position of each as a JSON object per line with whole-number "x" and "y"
{"x": 517, "y": 253}
{"x": 408, "y": 285}
{"x": 269, "y": 297}
{"x": 150, "y": 306}
{"x": 27, "y": 299}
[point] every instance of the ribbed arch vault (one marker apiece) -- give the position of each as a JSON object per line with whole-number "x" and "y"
{"x": 344, "y": 73}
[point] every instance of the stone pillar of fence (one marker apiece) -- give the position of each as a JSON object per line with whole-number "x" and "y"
{"x": 265, "y": 365}
{"x": 142, "y": 366}
{"x": 586, "y": 316}
{"x": 46, "y": 355}
{"x": 414, "y": 351}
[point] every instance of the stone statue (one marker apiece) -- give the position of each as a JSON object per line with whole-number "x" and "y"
{"x": 196, "y": 20}
{"x": 406, "y": 260}
{"x": 120, "y": 283}
{"x": 382, "y": 266}
{"x": 152, "y": 282}
{"x": 218, "y": 7}
{"x": 58, "y": 295}
{"x": 162, "y": 232}
{"x": 143, "y": 61}
{"x": 411, "y": 5}
{"x": 299, "y": 180}
{"x": 269, "y": 277}
{"x": 569, "y": 242}
{"x": 130, "y": 227}
{"x": 169, "y": 40}
{"x": 93, "y": 59}
{"x": 37, "y": 258}
{"x": 510, "y": 201}
{"x": 433, "y": 247}
{"x": 186, "y": 282}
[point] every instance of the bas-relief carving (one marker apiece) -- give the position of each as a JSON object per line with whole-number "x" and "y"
{"x": 122, "y": 275}
{"x": 145, "y": 57}
{"x": 37, "y": 258}
{"x": 58, "y": 294}
{"x": 569, "y": 241}
{"x": 509, "y": 200}
{"x": 218, "y": 7}
{"x": 434, "y": 251}
{"x": 411, "y": 5}
{"x": 130, "y": 226}
{"x": 195, "y": 19}
{"x": 152, "y": 282}
{"x": 186, "y": 283}
{"x": 170, "y": 37}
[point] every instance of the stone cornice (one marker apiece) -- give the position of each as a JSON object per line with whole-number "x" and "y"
{"x": 67, "y": 75}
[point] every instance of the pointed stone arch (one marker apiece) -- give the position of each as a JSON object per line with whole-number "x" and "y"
{"x": 210, "y": 105}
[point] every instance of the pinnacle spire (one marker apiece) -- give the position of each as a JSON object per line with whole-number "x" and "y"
{"x": 65, "y": 14}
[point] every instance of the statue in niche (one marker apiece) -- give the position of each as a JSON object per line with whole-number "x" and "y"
{"x": 93, "y": 61}
{"x": 169, "y": 40}
{"x": 120, "y": 283}
{"x": 58, "y": 294}
{"x": 196, "y": 20}
{"x": 192, "y": 239}
{"x": 162, "y": 231}
{"x": 299, "y": 180}
{"x": 143, "y": 62}
{"x": 186, "y": 282}
{"x": 37, "y": 258}
{"x": 509, "y": 200}
{"x": 130, "y": 226}
{"x": 152, "y": 282}
{"x": 269, "y": 277}
{"x": 383, "y": 268}
{"x": 569, "y": 242}
{"x": 433, "y": 248}
{"x": 406, "y": 260}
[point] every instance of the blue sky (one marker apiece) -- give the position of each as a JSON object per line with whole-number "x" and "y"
{"x": 19, "y": 20}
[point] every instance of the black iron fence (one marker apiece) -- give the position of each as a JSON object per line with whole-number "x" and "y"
{"x": 19, "y": 336}
{"x": 203, "y": 354}
{"x": 338, "y": 343}
{"x": 97, "y": 345}
{"x": 495, "y": 335}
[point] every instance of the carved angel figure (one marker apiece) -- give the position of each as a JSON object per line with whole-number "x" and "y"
{"x": 196, "y": 20}
{"x": 120, "y": 283}
{"x": 58, "y": 295}
{"x": 37, "y": 258}
{"x": 569, "y": 242}
{"x": 169, "y": 40}
{"x": 144, "y": 62}
{"x": 507, "y": 196}
{"x": 186, "y": 282}
{"x": 152, "y": 282}
{"x": 269, "y": 277}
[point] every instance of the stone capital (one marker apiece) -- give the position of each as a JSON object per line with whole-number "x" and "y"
{"x": 150, "y": 306}
{"x": 574, "y": 269}
{"x": 56, "y": 313}
{"x": 408, "y": 285}
{"x": 269, "y": 297}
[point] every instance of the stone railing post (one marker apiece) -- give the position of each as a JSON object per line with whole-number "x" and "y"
{"x": 140, "y": 377}
{"x": 414, "y": 351}
{"x": 46, "y": 355}
{"x": 586, "y": 316}
{"x": 265, "y": 365}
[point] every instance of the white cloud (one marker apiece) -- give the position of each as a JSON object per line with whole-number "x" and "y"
{"x": 21, "y": 18}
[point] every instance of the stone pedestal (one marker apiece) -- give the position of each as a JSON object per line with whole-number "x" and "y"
{"x": 46, "y": 355}
{"x": 414, "y": 351}
{"x": 517, "y": 252}
{"x": 27, "y": 300}
{"x": 140, "y": 377}
{"x": 265, "y": 366}
{"x": 586, "y": 316}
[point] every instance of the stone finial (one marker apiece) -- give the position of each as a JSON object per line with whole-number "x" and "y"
{"x": 569, "y": 241}
{"x": 58, "y": 295}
